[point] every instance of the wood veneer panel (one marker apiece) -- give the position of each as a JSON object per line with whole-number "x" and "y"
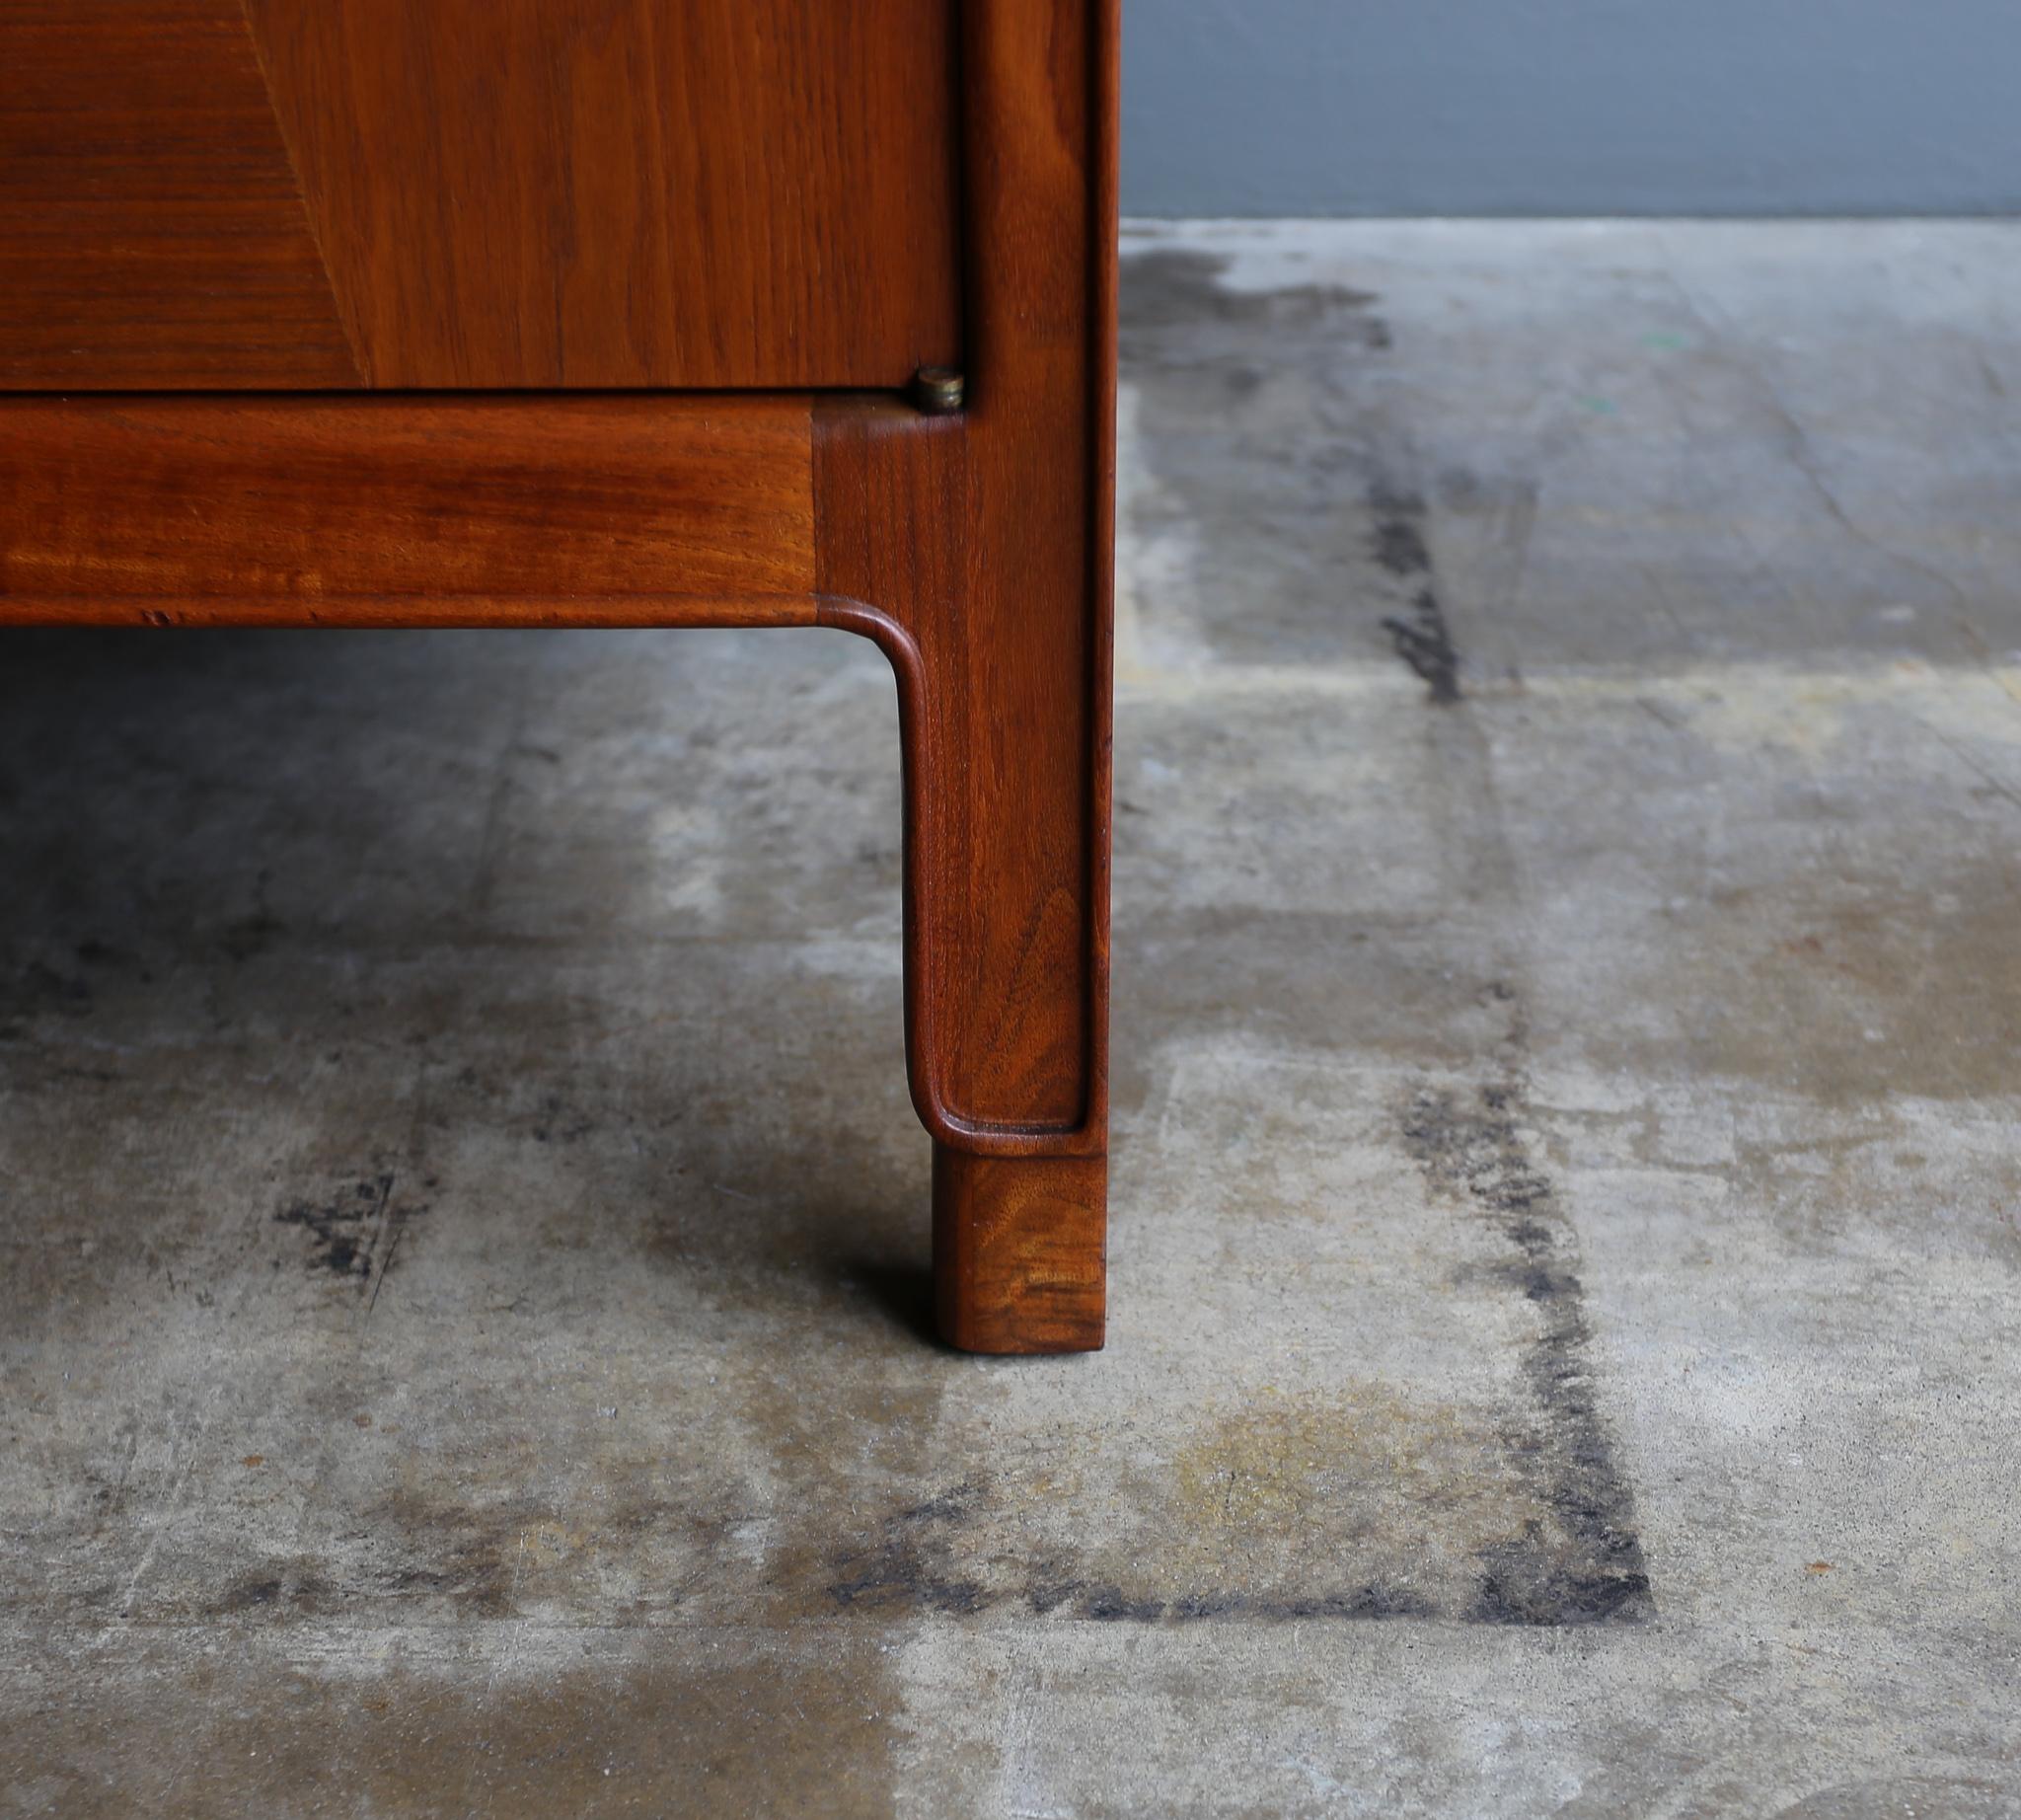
{"x": 281, "y": 509}
{"x": 151, "y": 230}
{"x": 629, "y": 193}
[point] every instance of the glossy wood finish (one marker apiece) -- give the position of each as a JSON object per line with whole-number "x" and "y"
{"x": 205, "y": 193}
{"x": 974, "y": 548}
{"x": 628, "y": 192}
{"x": 977, "y": 549}
{"x": 278, "y": 509}
{"x": 1020, "y": 1254}
{"x": 151, "y": 231}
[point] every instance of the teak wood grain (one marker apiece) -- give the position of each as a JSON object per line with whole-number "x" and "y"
{"x": 276, "y": 507}
{"x": 151, "y": 229}
{"x": 227, "y": 193}
{"x": 974, "y": 548}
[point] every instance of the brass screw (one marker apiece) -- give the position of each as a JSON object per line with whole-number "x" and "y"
{"x": 937, "y": 391}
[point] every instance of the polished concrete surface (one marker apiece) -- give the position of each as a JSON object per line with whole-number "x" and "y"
{"x": 461, "y": 1231}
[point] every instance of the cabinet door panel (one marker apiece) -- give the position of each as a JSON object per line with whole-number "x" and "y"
{"x": 151, "y": 230}
{"x": 477, "y": 193}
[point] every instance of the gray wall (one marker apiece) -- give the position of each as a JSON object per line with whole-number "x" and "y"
{"x": 1571, "y": 106}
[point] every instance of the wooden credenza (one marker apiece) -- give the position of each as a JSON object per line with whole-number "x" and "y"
{"x": 632, "y": 312}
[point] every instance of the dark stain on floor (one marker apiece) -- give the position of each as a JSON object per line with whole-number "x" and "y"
{"x": 1422, "y": 639}
{"x": 1265, "y": 417}
{"x": 1587, "y": 1566}
{"x": 354, "y": 1228}
{"x": 916, "y": 1566}
{"x": 909, "y": 1567}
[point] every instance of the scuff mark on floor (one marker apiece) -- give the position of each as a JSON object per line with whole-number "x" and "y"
{"x": 1423, "y": 639}
{"x": 1586, "y": 1565}
{"x": 349, "y": 1227}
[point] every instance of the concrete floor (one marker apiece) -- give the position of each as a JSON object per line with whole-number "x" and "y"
{"x": 463, "y": 1229}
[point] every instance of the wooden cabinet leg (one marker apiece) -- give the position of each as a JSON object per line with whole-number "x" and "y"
{"x": 1019, "y": 1251}
{"x": 1001, "y": 651}
{"x": 974, "y": 545}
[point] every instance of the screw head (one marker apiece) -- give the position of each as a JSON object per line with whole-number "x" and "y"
{"x": 937, "y": 391}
